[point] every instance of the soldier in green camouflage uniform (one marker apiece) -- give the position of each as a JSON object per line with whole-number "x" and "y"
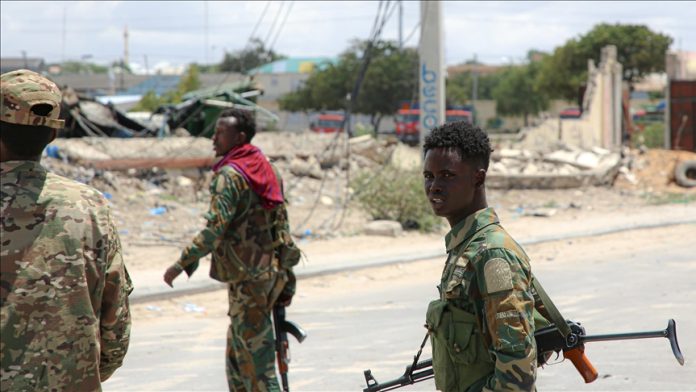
{"x": 244, "y": 239}
{"x": 482, "y": 327}
{"x": 64, "y": 288}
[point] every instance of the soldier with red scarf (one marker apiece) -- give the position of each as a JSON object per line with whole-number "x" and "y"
{"x": 247, "y": 226}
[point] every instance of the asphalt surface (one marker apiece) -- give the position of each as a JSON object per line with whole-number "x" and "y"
{"x": 357, "y": 320}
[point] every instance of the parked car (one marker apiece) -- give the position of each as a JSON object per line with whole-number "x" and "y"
{"x": 570, "y": 113}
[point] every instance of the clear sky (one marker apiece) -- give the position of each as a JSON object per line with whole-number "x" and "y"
{"x": 181, "y": 32}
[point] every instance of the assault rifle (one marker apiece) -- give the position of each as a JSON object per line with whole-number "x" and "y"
{"x": 548, "y": 340}
{"x": 282, "y": 327}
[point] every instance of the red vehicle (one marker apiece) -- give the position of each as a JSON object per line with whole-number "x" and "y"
{"x": 570, "y": 113}
{"x": 327, "y": 123}
{"x": 407, "y": 122}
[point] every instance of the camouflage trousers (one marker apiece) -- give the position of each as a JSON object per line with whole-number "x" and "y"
{"x": 250, "y": 342}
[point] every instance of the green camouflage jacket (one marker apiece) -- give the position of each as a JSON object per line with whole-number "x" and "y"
{"x": 242, "y": 235}
{"x": 482, "y": 327}
{"x": 64, "y": 288}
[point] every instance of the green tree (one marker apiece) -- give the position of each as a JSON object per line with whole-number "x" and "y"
{"x": 190, "y": 81}
{"x": 563, "y": 72}
{"x": 148, "y": 103}
{"x": 252, "y": 56}
{"x": 460, "y": 87}
{"x": 78, "y": 67}
{"x": 639, "y": 49}
{"x": 390, "y": 78}
{"x": 517, "y": 94}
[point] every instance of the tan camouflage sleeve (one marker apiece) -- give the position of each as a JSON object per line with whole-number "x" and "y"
{"x": 223, "y": 208}
{"x": 115, "y": 320}
{"x": 504, "y": 282}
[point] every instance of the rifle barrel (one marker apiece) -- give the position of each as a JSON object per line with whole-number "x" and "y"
{"x": 625, "y": 336}
{"x": 670, "y": 333}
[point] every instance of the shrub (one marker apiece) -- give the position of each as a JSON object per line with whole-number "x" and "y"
{"x": 653, "y": 135}
{"x": 363, "y": 129}
{"x": 396, "y": 194}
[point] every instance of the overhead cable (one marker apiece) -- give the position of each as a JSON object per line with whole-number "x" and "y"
{"x": 280, "y": 28}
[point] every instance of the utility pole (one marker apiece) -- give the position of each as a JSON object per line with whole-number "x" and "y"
{"x": 125, "y": 45}
{"x": 401, "y": 24}
{"x": 62, "y": 46}
{"x": 205, "y": 5}
{"x": 431, "y": 83}
{"x": 124, "y": 60}
{"x": 474, "y": 87}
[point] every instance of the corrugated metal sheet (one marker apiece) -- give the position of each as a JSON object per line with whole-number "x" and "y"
{"x": 682, "y": 104}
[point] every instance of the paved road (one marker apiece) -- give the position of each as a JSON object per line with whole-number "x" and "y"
{"x": 373, "y": 319}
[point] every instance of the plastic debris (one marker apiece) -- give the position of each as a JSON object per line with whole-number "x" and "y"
{"x": 158, "y": 210}
{"x": 53, "y": 151}
{"x": 193, "y": 308}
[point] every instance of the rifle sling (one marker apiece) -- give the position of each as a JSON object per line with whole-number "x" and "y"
{"x": 556, "y": 316}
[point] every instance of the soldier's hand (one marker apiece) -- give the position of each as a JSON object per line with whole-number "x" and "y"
{"x": 170, "y": 275}
{"x": 284, "y": 299}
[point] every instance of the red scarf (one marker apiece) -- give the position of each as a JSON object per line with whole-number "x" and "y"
{"x": 250, "y": 162}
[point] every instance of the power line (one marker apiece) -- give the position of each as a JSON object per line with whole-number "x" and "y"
{"x": 280, "y": 28}
{"x": 275, "y": 20}
{"x": 374, "y": 35}
{"x": 246, "y": 45}
{"x": 258, "y": 23}
{"x": 415, "y": 28}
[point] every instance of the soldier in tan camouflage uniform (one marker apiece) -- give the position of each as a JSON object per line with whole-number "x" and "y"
{"x": 247, "y": 225}
{"x": 482, "y": 327}
{"x": 64, "y": 288}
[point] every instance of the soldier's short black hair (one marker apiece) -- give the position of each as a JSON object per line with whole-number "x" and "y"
{"x": 245, "y": 121}
{"x": 471, "y": 142}
{"x": 25, "y": 141}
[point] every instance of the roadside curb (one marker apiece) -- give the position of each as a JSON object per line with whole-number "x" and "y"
{"x": 353, "y": 265}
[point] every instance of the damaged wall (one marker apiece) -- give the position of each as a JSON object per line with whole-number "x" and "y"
{"x": 600, "y": 123}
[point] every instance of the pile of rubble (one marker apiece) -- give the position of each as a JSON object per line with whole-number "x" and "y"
{"x": 564, "y": 167}
{"x": 653, "y": 171}
{"x": 159, "y": 187}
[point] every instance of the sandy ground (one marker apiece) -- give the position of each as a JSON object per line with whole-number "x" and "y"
{"x": 515, "y": 208}
{"x": 546, "y": 257}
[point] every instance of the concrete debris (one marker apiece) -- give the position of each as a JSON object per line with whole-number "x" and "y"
{"x": 182, "y": 181}
{"x": 628, "y": 175}
{"x": 541, "y": 212}
{"x": 384, "y": 228}
{"x": 326, "y": 200}
{"x": 562, "y": 168}
{"x": 309, "y": 167}
{"x": 159, "y": 187}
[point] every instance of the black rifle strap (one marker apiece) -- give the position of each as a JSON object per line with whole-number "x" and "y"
{"x": 556, "y": 316}
{"x": 420, "y": 350}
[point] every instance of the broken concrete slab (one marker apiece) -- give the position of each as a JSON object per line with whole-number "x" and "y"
{"x": 306, "y": 168}
{"x": 384, "y": 227}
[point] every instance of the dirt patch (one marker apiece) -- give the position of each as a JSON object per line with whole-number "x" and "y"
{"x": 164, "y": 208}
{"x": 653, "y": 171}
